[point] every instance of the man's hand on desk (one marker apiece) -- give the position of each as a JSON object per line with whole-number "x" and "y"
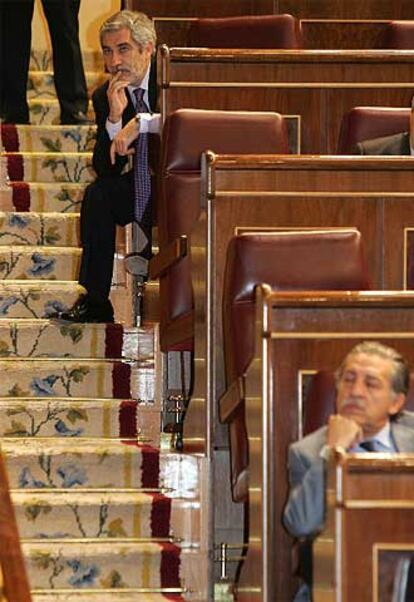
{"x": 122, "y": 141}
{"x": 343, "y": 432}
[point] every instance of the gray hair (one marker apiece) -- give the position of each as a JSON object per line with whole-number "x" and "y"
{"x": 141, "y": 27}
{"x": 400, "y": 379}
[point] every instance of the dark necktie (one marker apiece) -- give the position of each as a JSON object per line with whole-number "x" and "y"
{"x": 369, "y": 446}
{"x": 142, "y": 176}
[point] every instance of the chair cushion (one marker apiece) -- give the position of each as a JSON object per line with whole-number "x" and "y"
{"x": 258, "y": 31}
{"x": 366, "y": 123}
{"x": 399, "y": 35}
{"x": 305, "y": 260}
{"x": 187, "y": 133}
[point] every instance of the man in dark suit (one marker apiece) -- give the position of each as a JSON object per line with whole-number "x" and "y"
{"x": 128, "y": 44}
{"x": 397, "y": 144}
{"x": 69, "y": 77}
{"x": 372, "y": 385}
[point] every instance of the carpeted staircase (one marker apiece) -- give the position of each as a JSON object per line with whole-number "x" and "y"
{"x": 104, "y": 514}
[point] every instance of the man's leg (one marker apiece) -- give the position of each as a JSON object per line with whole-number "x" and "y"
{"x": 16, "y": 32}
{"x": 107, "y": 202}
{"x": 62, "y": 18}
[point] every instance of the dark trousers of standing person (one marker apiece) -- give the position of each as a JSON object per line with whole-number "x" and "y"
{"x": 62, "y": 18}
{"x": 108, "y": 202}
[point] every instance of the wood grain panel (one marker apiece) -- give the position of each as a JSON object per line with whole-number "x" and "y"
{"x": 351, "y": 9}
{"x": 202, "y": 8}
{"x": 319, "y": 86}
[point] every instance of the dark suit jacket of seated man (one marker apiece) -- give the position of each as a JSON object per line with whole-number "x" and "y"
{"x": 397, "y": 144}
{"x": 372, "y": 385}
{"x": 128, "y": 42}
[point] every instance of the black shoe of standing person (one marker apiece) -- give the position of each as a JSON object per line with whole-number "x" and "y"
{"x": 87, "y": 310}
{"x": 78, "y": 118}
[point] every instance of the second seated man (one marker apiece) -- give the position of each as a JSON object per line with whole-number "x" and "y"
{"x": 372, "y": 385}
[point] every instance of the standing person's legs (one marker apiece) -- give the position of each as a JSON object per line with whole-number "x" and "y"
{"x": 62, "y": 18}
{"x": 16, "y": 32}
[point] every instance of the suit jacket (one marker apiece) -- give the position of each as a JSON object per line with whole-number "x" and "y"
{"x": 305, "y": 509}
{"x": 101, "y": 160}
{"x": 397, "y": 144}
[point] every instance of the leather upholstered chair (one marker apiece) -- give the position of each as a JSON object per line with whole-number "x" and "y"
{"x": 366, "y": 123}
{"x": 286, "y": 261}
{"x": 399, "y": 35}
{"x": 258, "y": 31}
{"x": 187, "y": 133}
{"x": 320, "y": 400}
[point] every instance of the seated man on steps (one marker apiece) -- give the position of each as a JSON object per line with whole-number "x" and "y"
{"x": 125, "y": 126}
{"x": 372, "y": 385}
{"x": 397, "y": 144}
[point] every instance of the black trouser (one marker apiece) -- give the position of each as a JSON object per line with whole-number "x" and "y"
{"x": 62, "y": 19}
{"x": 108, "y": 202}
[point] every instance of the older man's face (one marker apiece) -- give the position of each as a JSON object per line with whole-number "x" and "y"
{"x": 365, "y": 392}
{"x": 123, "y": 56}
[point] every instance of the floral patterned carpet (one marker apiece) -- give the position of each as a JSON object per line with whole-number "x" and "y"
{"x": 79, "y": 423}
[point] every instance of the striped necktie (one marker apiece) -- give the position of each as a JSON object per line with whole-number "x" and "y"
{"x": 142, "y": 176}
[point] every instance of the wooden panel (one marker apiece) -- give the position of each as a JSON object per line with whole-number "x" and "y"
{"x": 346, "y": 34}
{"x": 317, "y": 33}
{"x": 201, "y": 8}
{"x": 310, "y": 9}
{"x": 370, "y": 511}
{"x": 319, "y": 86}
{"x": 350, "y": 9}
{"x": 375, "y": 196}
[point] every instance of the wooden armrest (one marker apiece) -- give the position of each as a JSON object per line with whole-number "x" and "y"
{"x": 229, "y": 401}
{"x": 168, "y": 256}
{"x": 15, "y": 583}
{"x": 179, "y": 330}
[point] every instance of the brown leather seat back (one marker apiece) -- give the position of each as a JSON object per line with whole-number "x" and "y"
{"x": 366, "y": 123}
{"x": 258, "y": 31}
{"x": 399, "y": 35}
{"x": 187, "y": 133}
{"x": 320, "y": 400}
{"x": 305, "y": 260}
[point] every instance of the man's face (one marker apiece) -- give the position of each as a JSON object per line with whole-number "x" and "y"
{"x": 122, "y": 54}
{"x": 365, "y": 393}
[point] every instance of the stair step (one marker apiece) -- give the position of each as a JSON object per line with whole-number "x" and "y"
{"x": 41, "y": 60}
{"x": 39, "y": 463}
{"x": 44, "y": 338}
{"x": 49, "y": 167}
{"x": 113, "y": 595}
{"x": 41, "y": 83}
{"x": 47, "y": 111}
{"x": 48, "y": 138}
{"x": 36, "y": 299}
{"x": 41, "y": 197}
{"x": 77, "y": 417}
{"x": 50, "y": 230}
{"x": 39, "y": 263}
{"x": 91, "y": 514}
{"x": 62, "y": 463}
{"x": 103, "y": 564}
{"x": 42, "y": 377}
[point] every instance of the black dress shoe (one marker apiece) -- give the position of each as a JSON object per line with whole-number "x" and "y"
{"x": 78, "y": 118}
{"x": 85, "y": 310}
